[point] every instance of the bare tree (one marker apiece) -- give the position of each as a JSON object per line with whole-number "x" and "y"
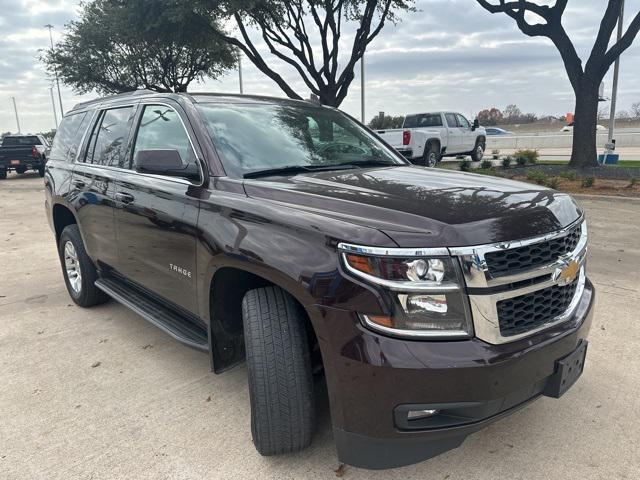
{"x": 289, "y": 29}
{"x": 586, "y": 79}
{"x": 635, "y": 109}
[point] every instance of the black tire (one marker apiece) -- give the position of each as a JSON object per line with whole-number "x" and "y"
{"x": 279, "y": 367}
{"x": 478, "y": 151}
{"x": 431, "y": 155}
{"x": 87, "y": 294}
{"x": 3, "y": 174}
{"x": 41, "y": 168}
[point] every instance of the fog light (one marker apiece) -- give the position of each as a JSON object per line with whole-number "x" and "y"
{"x": 418, "y": 414}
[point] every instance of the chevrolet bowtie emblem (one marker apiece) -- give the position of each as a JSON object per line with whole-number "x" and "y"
{"x": 568, "y": 274}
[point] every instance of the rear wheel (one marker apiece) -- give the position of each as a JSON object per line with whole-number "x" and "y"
{"x": 431, "y": 155}
{"x": 78, "y": 269}
{"x": 478, "y": 151}
{"x": 279, "y": 367}
{"x": 41, "y": 168}
{"x": 3, "y": 174}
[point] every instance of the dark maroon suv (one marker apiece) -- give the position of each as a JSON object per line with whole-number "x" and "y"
{"x": 287, "y": 234}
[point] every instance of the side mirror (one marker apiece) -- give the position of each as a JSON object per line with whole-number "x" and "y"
{"x": 165, "y": 162}
{"x": 476, "y": 125}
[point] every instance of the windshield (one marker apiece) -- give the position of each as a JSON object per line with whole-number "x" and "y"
{"x": 17, "y": 141}
{"x": 266, "y": 137}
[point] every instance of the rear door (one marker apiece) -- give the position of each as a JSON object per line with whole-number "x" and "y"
{"x": 455, "y": 142}
{"x": 93, "y": 188}
{"x": 156, "y": 215}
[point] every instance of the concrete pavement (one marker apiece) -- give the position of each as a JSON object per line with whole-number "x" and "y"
{"x": 102, "y": 394}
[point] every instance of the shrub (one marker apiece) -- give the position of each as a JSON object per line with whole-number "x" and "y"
{"x": 537, "y": 176}
{"x": 522, "y": 161}
{"x": 530, "y": 156}
{"x": 569, "y": 175}
{"x": 506, "y": 162}
{"x": 486, "y": 164}
{"x": 588, "y": 182}
{"x": 553, "y": 182}
{"x": 465, "y": 165}
{"x": 633, "y": 182}
{"x": 495, "y": 152}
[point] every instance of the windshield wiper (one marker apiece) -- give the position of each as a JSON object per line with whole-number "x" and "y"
{"x": 371, "y": 162}
{"x": 293, "y": 169}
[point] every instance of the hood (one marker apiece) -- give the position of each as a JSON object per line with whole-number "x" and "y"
{"x": 419, "y": 207}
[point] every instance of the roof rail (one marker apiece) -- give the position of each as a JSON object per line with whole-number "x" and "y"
{"x": 132, "y": 93}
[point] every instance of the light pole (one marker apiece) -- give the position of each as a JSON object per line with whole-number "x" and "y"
{"x": 53, "y": 104}
{"x": 362, "y": 88}
{"x": 240, "y": 70}
{"x": 616, "y": 73}
{"x": 15, "y": 109}
{"x": 55, "y": 70}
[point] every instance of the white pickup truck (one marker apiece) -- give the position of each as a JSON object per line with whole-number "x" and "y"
{"x": 427, "y": 137}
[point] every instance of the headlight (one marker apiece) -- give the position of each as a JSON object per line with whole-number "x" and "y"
{"x": 426, "y": 290}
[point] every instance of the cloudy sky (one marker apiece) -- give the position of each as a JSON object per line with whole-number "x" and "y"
{"x": 451, "y": 54}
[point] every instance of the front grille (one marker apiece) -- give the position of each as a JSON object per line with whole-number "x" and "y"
{"x": 520, "y": 314}
{"x": 508, "y": 262}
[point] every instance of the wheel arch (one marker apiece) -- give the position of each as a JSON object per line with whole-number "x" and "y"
{"x": 227, "y": 287}
{"x": 62, "y": 217}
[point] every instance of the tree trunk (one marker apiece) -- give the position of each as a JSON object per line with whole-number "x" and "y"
{"x": 584, "y": 152}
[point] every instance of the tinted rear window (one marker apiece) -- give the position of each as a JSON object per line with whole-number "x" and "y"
{"x": 108, "y": 141}
{"x": 423, "y": 120}
{"x": 68, "y": 137}
{"x": 26, "y": 141}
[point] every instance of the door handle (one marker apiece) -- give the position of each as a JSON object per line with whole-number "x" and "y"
{"x": 79, "y": 183}
{"x": 124, "y": 197}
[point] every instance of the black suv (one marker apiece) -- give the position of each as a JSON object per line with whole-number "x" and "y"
{"x": 431, "y": 302}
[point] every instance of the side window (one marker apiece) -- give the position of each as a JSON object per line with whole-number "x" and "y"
{"x": 463, "y": 122}
{"x": 109, "y": 139}
{"x": 161, "y": 129}
{"x": 451, "y": 120}
{"x": 68, "y": 137}
{"x": 430, "y": 120}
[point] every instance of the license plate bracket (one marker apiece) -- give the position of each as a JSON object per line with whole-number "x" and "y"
{"x": 568, "y": 370}
{"x": 15, "y": 162}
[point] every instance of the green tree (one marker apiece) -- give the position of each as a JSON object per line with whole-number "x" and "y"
{"x": 307, "y": 35}
{"x": 544, "y": 19}
{"x": 123, "y": 45}
{"x": 387, "y": 121}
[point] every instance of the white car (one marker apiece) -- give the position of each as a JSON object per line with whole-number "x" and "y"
{"x": 427, "y": 137}
{"x": 569, "y": 128}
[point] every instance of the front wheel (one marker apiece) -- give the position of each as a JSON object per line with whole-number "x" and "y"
{"x": 279, "y": 367}
{"x": 78, "y": 269}
{"x": 478, "y": 152}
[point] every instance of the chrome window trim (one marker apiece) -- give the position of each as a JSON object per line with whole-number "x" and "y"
{"x": 147, "y": 102}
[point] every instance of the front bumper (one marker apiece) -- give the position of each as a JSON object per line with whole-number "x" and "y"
{"x": 371, "y": 377}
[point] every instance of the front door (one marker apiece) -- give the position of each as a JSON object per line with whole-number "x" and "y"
{"x": 468, "y": 135}
{"x": 156, "y": 215}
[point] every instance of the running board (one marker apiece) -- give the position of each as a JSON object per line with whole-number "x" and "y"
{"x": 180, "y": 327}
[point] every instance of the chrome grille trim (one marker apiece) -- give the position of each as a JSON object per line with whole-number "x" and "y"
{"x": 476, "y": 271}
{"x": 484, "y": 306}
